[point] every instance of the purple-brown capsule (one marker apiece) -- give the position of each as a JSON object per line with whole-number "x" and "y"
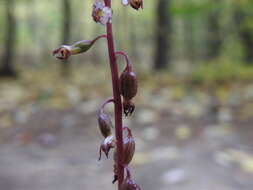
{"x": 105, "y": 124}
{"x": 106, "y": 146}
{"x": 128, "y": 84}
{"x": 128, "y": 146}
{"x": 136, "y": 4}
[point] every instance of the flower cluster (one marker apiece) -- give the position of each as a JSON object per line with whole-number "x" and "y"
{"x": 125, "y": 89}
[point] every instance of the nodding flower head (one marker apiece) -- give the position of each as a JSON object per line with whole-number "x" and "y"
{"x": 105, "y": 124}
{"x": 101, "y": 13}
{"x": 129, "y": 148}
{"x": 136, "y": 4}
{"x": 106, "y": 146}
{"x": 128, "y": 84}
{"x": 62, "y": 52}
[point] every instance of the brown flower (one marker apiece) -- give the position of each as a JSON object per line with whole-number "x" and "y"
{"x": 128, "y": 148}
{"x": 128, "y": 84}
{"x": 106, "y": 146}
{"x": 105, "y": 124}
{"x": 136, "y": 4}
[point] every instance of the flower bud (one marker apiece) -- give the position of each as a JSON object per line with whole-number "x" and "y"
{"x": 128, "y": 84}
{"x": 106, "y": 146}
{"x": 129, "y": 148}
{"x": 136, "y": 4}
{"x": 105, "y": 124}
{"x": 128, "y": 183}
{"x": 65, "y": 51}
{"x": 128, "y": 107}
{"x": 62, "y": 52}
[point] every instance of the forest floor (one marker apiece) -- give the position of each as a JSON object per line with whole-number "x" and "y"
{"x": 186, "y": 139}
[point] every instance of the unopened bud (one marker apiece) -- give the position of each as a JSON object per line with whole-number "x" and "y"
{"x": 129, "y": 148}
{"x": 105, "y": 124}
{"x": 128, "y": 84}
{"x": 65, "y": 51}
{"x": 106, "y": 146}
{"x": 136, "y": 4}
{"x": 62, "y": 52}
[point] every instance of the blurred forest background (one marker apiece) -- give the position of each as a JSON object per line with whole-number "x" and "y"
{"x": 194, "y": 116}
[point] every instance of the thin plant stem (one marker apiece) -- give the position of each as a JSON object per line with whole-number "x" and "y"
{"x": 117, "y": 99}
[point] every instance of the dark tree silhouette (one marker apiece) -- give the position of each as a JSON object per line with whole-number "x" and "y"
{"x": 189, "y": 38}
{"x": 7, "y": 68}
{"x": 214, "y": 40}
{"x": 245, "y": 33}
{"x": 163, "y": 31}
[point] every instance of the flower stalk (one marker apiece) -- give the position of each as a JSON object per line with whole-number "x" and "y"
{"x": 124, "y": 90}
{"x": 116, "y": 97}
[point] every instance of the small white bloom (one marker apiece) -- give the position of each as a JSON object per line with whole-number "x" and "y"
{"x": 106, "y": 16}
{"x": 101, "y": 13}
{"x": 125, "y": 2}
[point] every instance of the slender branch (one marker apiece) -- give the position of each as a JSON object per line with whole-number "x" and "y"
{"x": 117, "y": 99}
{"x": 111, "y": 100}
{"x": 129, "y": 64}
{"x": 97, "y": 38}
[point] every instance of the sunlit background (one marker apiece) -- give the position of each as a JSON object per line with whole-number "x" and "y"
{"x": 194, "y": 109}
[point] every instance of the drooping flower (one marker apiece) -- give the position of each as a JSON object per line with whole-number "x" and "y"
{"x": 106, "y": 146}
{"x": 105, "y": 124}
{"x": 128, "y": 84}
{"x": 128, "y": 148}
{"x": 136, "y": 4}
{"x": 128, "y": 89}
{"x": 101, "y": 13}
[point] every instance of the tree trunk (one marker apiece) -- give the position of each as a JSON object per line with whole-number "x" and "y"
{"x": 189, "y": 38}
{"x": 214, "y": 41}
{"x": 66, "y": 29}
{"x": 163, "y": 33}
{"x": 245, "y": 34}
{"x": 7, "y": 68}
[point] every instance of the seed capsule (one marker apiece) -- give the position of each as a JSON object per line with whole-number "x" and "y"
{"x": 129, "y": 148}
{"x": 106, "y": 146}
{"x": 128, "y": 84}
{"x": 105, "y": 124}
{"x": 136, "y": 4}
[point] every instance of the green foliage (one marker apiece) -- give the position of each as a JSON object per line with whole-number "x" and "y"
{"x": 222, "y": 71}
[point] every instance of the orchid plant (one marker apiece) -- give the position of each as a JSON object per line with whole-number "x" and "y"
{"x": 124, "y": 90}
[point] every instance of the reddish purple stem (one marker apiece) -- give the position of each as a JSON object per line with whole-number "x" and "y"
{"x": 129, "y": 65}
{"x": 117, "y": 99}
